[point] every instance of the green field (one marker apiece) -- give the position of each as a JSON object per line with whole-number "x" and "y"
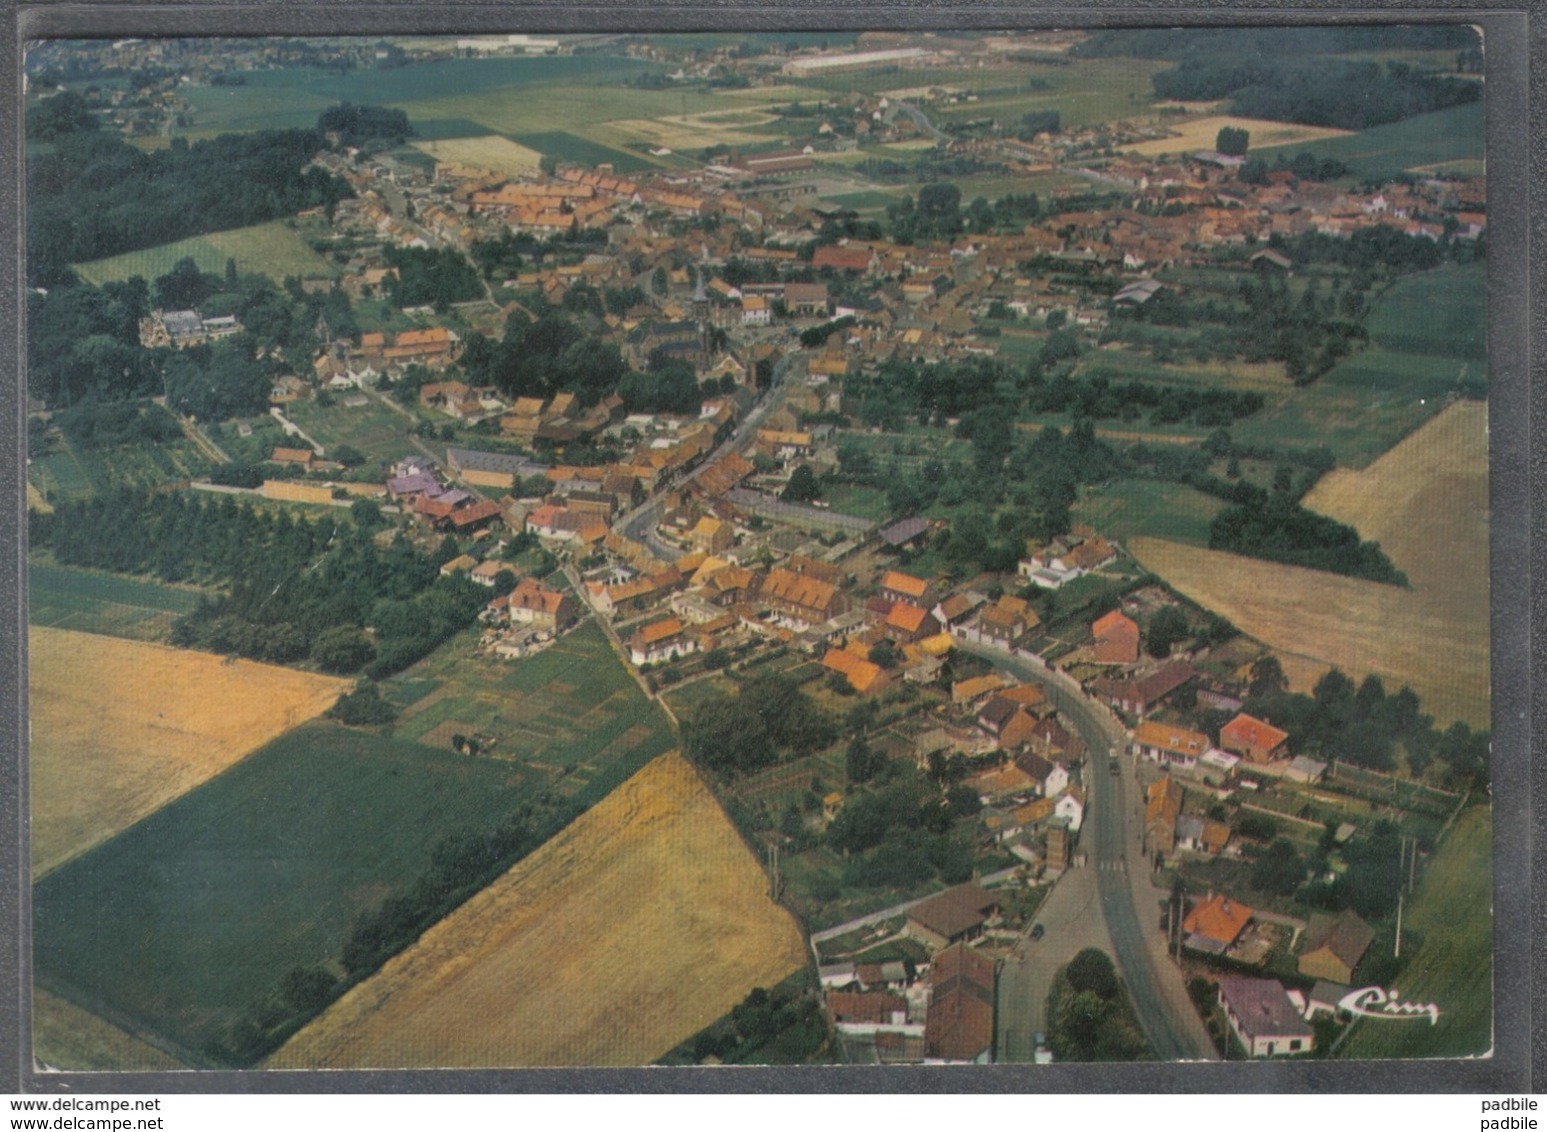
{"x": 1446, "y": 136}
{"x": 62, "y": 598}
{"x": 571, "y": 147}
{"x": 1131, "y": 508}
{"x": 1442, "y": 313}
{"x": 72, "y": 473}
{"x": 572, "y": 712}
{"x": 274, "y": 249}
{"x": 1452, "y": 968}
{"x": 182, "y": 924}
{"x": 869, "y": 200}
{"x": 446, "y": 129}
{"x": 376, "y": 430}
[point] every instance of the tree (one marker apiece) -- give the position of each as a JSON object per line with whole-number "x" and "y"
{"x": 1280, "y": 869}
{"x": 885, "y": 654}
{"x": 1167, "y": 628}
{"x": 1232, "y": 141}
{"x": 343, "y": 650}
{"x": 803, "y": 486}
{"x": 861, "y": 761}
{"x": 1091, "y": 970}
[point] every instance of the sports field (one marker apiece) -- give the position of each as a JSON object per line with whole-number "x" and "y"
{"x": 274, "y": 249}
{"x": 637, "y": 926}
{"x": 120, "y": 728}
{"x": 184, "y": 925}
{"x": 1426, "y": 503}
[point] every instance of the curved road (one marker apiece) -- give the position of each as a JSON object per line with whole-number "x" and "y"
{"x": 1110, "y": 839}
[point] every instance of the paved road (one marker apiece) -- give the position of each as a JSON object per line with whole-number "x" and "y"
{"x": 1129, "y": 902}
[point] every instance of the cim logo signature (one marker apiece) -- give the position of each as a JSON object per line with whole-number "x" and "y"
{"x": 1373, "y": 1002}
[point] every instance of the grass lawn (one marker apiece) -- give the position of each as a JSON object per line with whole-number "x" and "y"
{"x": 379, "y": 432}
{"x": 184, "y": 922}
{"x": 60, "y": 476}
{"x": 1127, "y": 508}
{"x": 1452, "y": 967}
{"x": 63, "y": 598}
{"x": 274, "y": 249}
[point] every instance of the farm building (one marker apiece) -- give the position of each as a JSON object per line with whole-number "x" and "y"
{"x": 1117, "y": 639}
{"x": 957, "y": 915}
{"x": 1334, "y": 946}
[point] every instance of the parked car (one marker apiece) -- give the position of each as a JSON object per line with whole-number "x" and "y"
{"x": 1038, "y": 931}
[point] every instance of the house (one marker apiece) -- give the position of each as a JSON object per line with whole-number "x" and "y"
{"x": 863, "y": 676}
{"x": 1162, "y": 807}
{"x": 954, "y": 610}
{"x": 1138, "y": 695}
{"x": 837, "y": 258}
{"x": 999, "y": 782}
{"x": 957, "y": 915}
{"x": 903, "y": 533}
{"x": 1199, "y": 834}
{"x": 661, "y": 640}
{"x": 964, "y": 692}
{"x": 533, "y": 603}
{"x": 1117, "y": 639}
{"x": 1007, "y": 623}
{"x": 866, "y": 1008}
{"x": 806, "y": 299}
{"x": 301, "y": 457}
{"x": 485, "y": 573}
{"x": 1303, "y": 768}
{"x": 1334, "y": 946}
{"x": 1168, "y": 744}
{"x": 1007, "y": 721}
{"x": 897, "y": 586}
{"x": 1215, "y": 924}
{"x": 1253, "y": 739}
{"x": 1263, "y": 1019}
{"x": 802, "y": 599}
{"x": 907, "y": 624}
{"x": 1050, "y": 777}
{"x": 1071, "y": 807}
{"x": 959, "y": 1025}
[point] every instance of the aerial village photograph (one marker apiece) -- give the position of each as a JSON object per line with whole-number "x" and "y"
{"x": 822, "y": 548}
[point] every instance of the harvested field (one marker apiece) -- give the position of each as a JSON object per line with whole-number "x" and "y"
{"x": 68, "y": 1038}
{"x": 1426, "y": 503}
{"x": 643, "y": 922}
{"x": 120, "y": 728}
{"x": 1202, "y": 133}
{"x": 496, "y": 154}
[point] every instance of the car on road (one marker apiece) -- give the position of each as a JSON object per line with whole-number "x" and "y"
{"x": 1115, "y": 767}
{"x": 1038, "y": 931}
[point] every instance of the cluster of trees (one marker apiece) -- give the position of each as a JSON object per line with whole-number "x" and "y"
{"x": 356, "y": 125}
{"x": 295, "y": 588}
{"x": 667, "y": 385}
{"x": 108, "y": 425}
{"x": 782, "y": 1026}
{"x": 936, "y": 215}
{"x": 1232, "y": 141}
{"x": 1039, "y": 122}
{"x": 433, "y": 277}
{"x": 95, "y": 195}
{"x": 1279, "y": 529}
{"x": 1305, "y": 167}
{"x": 1089, "y": 1013}
{"x": 1367, "y": 726}
{"x": 363, "y": 707}
{"x": 770, "y": 720}
{"x": 1308, "y": 334}
{"x": 219, "y": 380}
{"x": 899, "y": 833}
{"x": 544, "y": 356}
{"x": 83, "y": 342}
{"x": 1099, "y": 398}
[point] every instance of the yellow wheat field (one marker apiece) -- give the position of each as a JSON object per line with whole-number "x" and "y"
{"x": 120, "y": 728}
{"x": 1426, "y": 503}
{"x": 492, "y": 152}
{"x": 635, "y": 928}
{"x": 1202, "y": 133}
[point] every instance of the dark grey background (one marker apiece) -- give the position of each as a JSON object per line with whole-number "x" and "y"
{"x": 1517, "y": 169}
